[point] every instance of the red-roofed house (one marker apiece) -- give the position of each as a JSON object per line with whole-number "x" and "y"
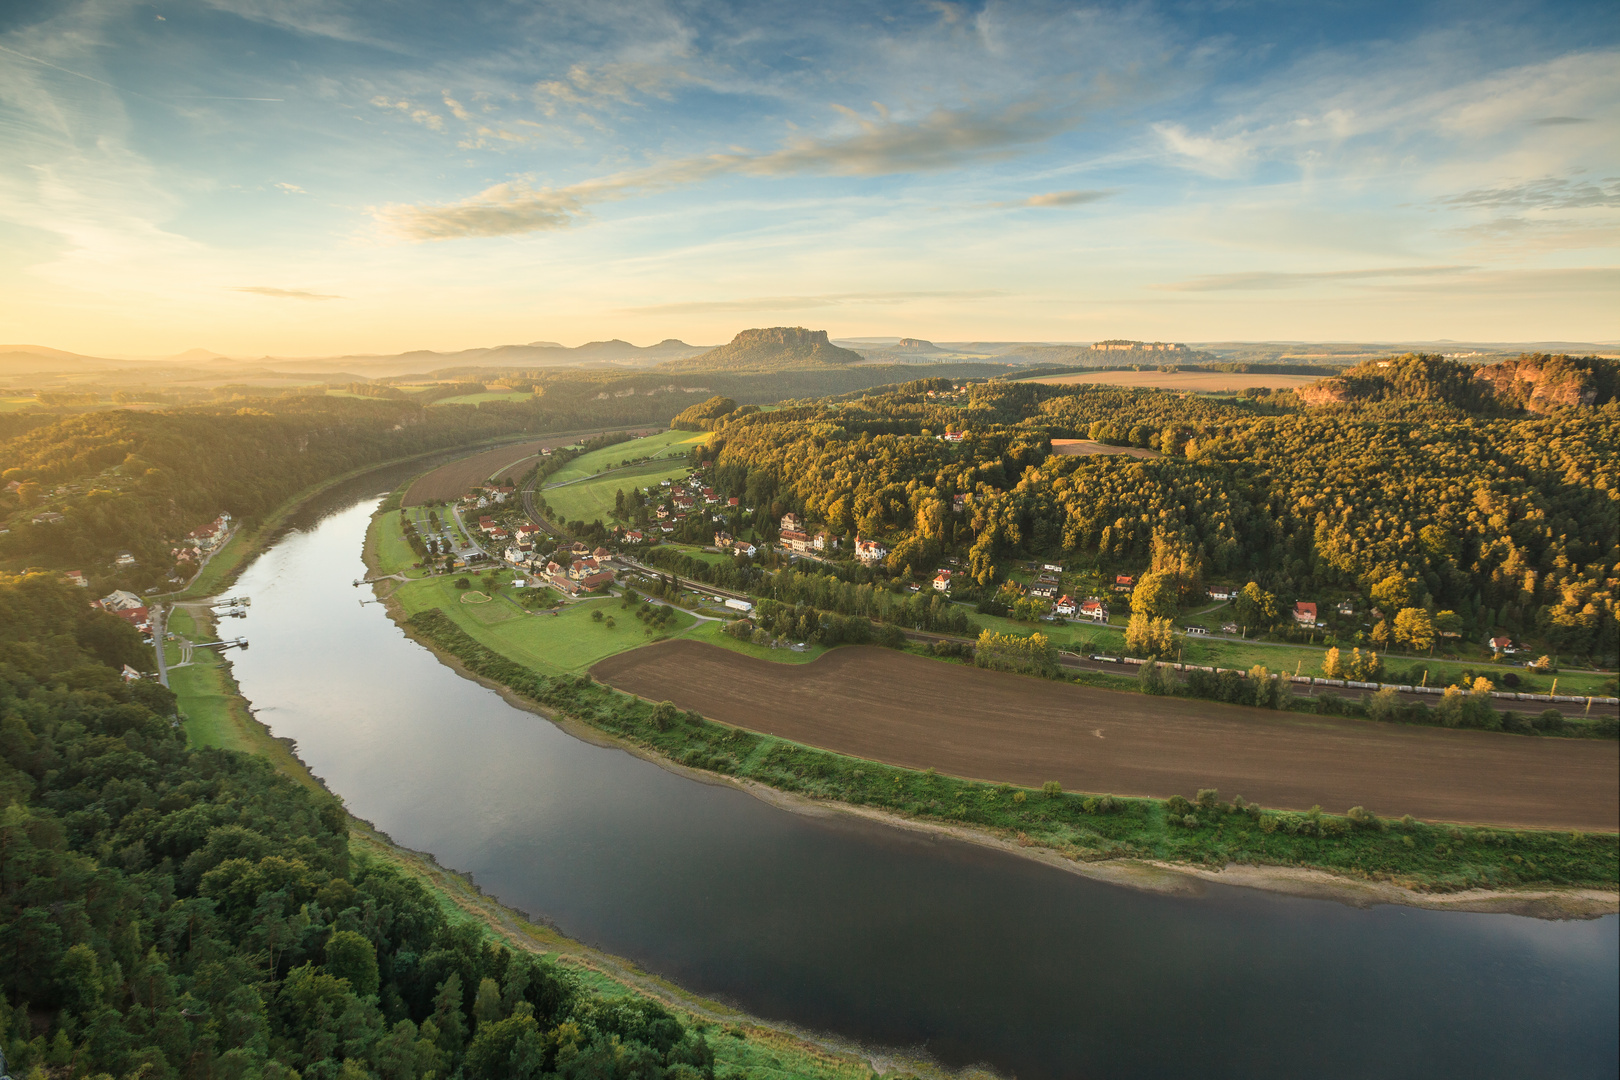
{"x": 1094, "y": 610}
{"x": 1305, "y": 613}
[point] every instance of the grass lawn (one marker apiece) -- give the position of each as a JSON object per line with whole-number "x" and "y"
{"x": 710, "y": 632}
{"x": 487, "y": 395}
{"x": 1307, "y": 660}
{"x": 590, "y": 499}
{"x": 665, "y": 444}
{"x": 692, "y": 551}
{"x": 550, "y": 644}
{"x": 17, "y": 404}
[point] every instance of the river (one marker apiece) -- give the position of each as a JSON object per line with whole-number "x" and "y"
{"x": 880, "y": 935}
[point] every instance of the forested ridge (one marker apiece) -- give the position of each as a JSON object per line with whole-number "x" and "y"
{"x": 170, "y": 912}
{"x": 1509, "y": 517}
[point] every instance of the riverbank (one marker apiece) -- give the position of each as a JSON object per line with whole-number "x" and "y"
{"x": 216, "y": 713}
{"x": 1365, "y": 861}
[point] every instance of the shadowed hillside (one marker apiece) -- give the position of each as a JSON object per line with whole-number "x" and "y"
{"x": 776, "y": 348}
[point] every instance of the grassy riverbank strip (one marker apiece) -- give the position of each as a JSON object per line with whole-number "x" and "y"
{"x": 1201, "y": 831}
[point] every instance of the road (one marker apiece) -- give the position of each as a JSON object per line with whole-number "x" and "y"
{"x": 158, "y": 614}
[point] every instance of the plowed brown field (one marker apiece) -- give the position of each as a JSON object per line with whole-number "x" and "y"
{"x": 913, "y": 712}
{"x": 452, "y": 481}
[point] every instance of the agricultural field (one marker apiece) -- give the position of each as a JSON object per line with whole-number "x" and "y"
{"x": 918, "y": 713}
{"x": 584, "y": 489}
{"x": 452, "y": 480}
{"x": 487, "y": 395}
{"x": 665, "y": 444}
{"x": 1208, "y": 382}
{"x": 1091, "y": 448}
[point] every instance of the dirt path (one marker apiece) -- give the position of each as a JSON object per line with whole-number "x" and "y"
{"x": 919, "y": 713}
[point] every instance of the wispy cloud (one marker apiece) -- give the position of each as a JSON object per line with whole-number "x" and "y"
{"x": 1062, "y": 198}
{"x": 1289, "y": 280}
{"x": 425, "y": 117}
{"x": 1559, "y": 121}
{"x": 807, "y": 303}
{"x": 885, "y": 146}
{"x": 284, "y": 294}
{"x": 1546, "y": 194}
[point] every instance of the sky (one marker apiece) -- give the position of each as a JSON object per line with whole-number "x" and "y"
{"x": 320, "y": 177}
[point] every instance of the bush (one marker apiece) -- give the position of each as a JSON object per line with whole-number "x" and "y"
{"x": 1177, "y": 806}
{"x": 1363, "y": 819}
{"x": 463, "y": 583}
{"x": 664, "y": 715}
{"x": 1206, "y": 798}
{"x": 1549, "y": 721}
{"x": 1052, "y": 789}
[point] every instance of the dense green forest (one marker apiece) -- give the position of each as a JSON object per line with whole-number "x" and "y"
{"x": 1508, "y": 517}
{"x": 169, "y": 912}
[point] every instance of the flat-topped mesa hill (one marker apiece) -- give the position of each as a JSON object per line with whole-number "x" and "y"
{"x": 775, "y": 348}
{"x": 1533, "y": 382}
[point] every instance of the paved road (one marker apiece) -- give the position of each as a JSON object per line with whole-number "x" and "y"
{"x": 158, "y": 614}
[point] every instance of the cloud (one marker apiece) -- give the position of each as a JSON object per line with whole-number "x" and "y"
{"x": 1558, "y": 121}
{"x": 806, "y": 303}
{"x": 1286, "y": 280}
{"x": 1545, "y": 194}
{"x": 1063, "y": 198}
{"x": 284, "y": 294}
{"x": 617, "y": 83}
{"x": 940, "y": 139}
{"x": 425, "y": 117}
{"x": 290, "y": 189}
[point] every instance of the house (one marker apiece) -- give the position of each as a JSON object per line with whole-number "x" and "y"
{"x": 742, "y": 547}
{"x": 634, "y": 536}
{"x": 1095, "y": 610}
{"x": 826, "y": 541}
{"x": 526, "y": 532}
{"x": 1222, "y": 592}
{"x": 1044, "y": 592}
{"x": 77, "y": 577}
{"x": 1196, "y": 631}
{"x": 1503, "y": 645}
{"x": 602, "y": 553}
{"x": 791, "y": 522}
{"x": 942, "y": 581}
{"x": 1052, "y": 568}
{"x": 1305, "y": 613}
{"x": 1229, "y": 628}
{"x": 1123, "y": 582}
{"x": 722, "y": 540}
{"x": 126, "y": 605}
{"x": 663, "y": 513}
{"x": 683, "y": 502}
{"x": 1065, "y": 607}
{"x": 734, "y": 501}
{"x": 796, "y": 541}
{"x": 129, "y": 674}
{"x": 1346, "y": 607}
{"x": 869, "y": 551}
{"x": 958, "y": 503}
{"x": 123, "y": 560}
{"x": 955, "y": 436}
{"x": 580, "y": 569}
{"x": 666, "y": 529}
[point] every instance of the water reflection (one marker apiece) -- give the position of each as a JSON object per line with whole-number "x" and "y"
{"x": 881, "y": 935}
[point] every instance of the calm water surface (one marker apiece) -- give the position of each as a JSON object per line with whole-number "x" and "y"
{"x": 882, "y": 936}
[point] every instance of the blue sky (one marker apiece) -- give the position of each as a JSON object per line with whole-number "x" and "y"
{"x": 307, "y": 177}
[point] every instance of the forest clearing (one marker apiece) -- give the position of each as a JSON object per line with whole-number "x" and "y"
{"x": 919, "y": 713}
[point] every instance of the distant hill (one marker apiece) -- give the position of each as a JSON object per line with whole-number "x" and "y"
{"x": 537, "y": 354}
{"x": 776, "y": 348}
{"x": 33, "y": 359}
